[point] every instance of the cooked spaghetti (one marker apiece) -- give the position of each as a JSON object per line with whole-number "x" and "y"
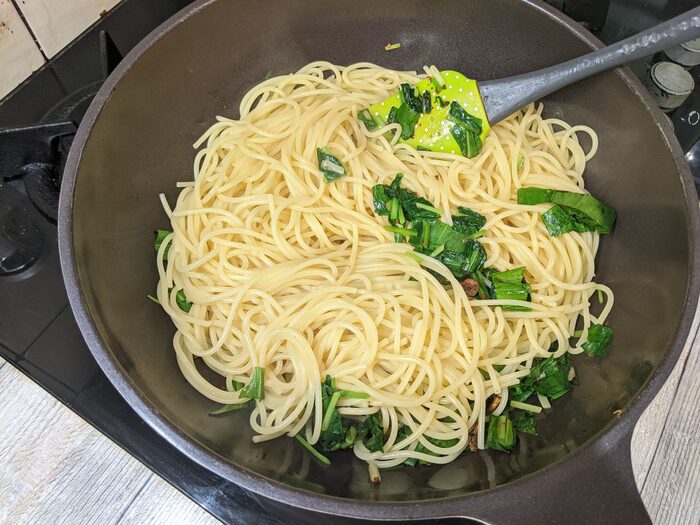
{"x": 297, "y": 276}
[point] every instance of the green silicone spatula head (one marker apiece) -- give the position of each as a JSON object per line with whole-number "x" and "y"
{"x": 450, "y": 113}
{"x": 434, "y": 129}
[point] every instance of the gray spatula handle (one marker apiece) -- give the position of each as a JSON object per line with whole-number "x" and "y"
{"x": 506, "y": 95}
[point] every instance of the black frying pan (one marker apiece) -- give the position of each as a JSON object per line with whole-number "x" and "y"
{"x": 135, "y": 142}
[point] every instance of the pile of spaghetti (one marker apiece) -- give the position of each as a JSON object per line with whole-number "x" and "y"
{"x": 337, "y": 331}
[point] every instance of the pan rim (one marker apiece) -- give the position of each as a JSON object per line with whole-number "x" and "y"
{"x": 257, "y": 483}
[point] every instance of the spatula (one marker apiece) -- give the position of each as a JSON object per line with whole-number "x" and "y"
{"x": 457, "y": 112}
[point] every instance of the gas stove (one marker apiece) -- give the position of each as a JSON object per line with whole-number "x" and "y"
{"x": 38, "y": 333}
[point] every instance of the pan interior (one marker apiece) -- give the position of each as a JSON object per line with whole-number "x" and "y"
{"x": 141, "y": 144}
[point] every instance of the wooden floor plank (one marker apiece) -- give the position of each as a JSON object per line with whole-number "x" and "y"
{"x": 649, "y": 429}
{"x": 672, "y": 489}
{"x": 160, "y": 503}
{"x": 55, "y": 468}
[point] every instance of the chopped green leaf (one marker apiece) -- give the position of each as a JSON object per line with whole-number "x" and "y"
{"x": 532, "y": 195}
{"x": 314, "y": 452}
{"x": 514, "y": 276}
{"x": 599, "y": 338}
{"x": 371, "y": 433}
{"x": 427, "y": 102}
{"x": 228, "y": 408}
{"x": 442, "y": 443}
{"x": 428, "y": 207}
{"x": 548, "y": 377}
{"x": 584, "y": 205}
{"x": 255, "y": 389}
{"x": 394, "y": 207}
{"x": 402, "y": 216}
{"x": 468, "y": 221}
{"x": 160, "y": 237}
{"x": 439, "y": 78}
{"x": 366, "y": 117}
{"x": 600, "y": 296}
{"x": 500, "y": 434}
{"x": 414, "y": 257}
{"x": 406, "y": 117}
{"x": 339, "y": 434}
{"x": 456, "y": 242}
{"x": 585, "y": 212}
{"x": 511, "y": 291}
{"x": 409, "y": 97}
{"x": 330, "y": 165}
{"x": 381, "y": 199}
{"x": 553, "y": 376}
{"x": 454, "y": 261}
{"x": 521, "y": 391}
{"x": 558, "y": 221}
{"x": 440, "y": 233}
{"x": 483, "y": 277}
{"x": 406, "y": 232}
{"x": 391, "y": 47}
{"x": 182, "y": 302}
{"x": 510, "y": 284}
{"x": 459, "y": 116}
{"x": 234, "y": 385}
{"x": 403, "y": 432}
{"x": 469, "y": 142}
{"x": 474, "y": 257}
{"x": 330, "y": 410}
{"x": 521, "y": 161}
{"x": 437, "y": 251}
{"x": 396, "y": 184}
{"x": 525, "y": 422}
{"x": 336, "y": 433}
{"x": 327, "y": 389}
{"x": 349, "y": 394}
{"x": 526, "y": 407}
{"x": 454, "y": 246}
{"x": 416, "y": 207}
{"x": 391, "y": 117}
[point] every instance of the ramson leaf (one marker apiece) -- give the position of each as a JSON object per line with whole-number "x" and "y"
{"x": 599, "y": 338}
{"x": 468, "y": 221}
{"x": 255, "y": 389}
{"x": 371, "y": 433}
{"x": 525, "y": 422}
{"x": 406, "y": 117}
{"x": 160, "y": 237}
{"x": 459, "y": 116}
{"x": 578, "y": 212}
{"x": 330, "y": 165}
{"x": 500, "y": 434}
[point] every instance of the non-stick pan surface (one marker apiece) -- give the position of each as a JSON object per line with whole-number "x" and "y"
{"x": 135, "y": 142}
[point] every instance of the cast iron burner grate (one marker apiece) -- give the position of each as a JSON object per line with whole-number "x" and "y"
{"x": 32, "y": 162}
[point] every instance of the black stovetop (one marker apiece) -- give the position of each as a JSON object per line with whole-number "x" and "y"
{"x": 38, "y": 333}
